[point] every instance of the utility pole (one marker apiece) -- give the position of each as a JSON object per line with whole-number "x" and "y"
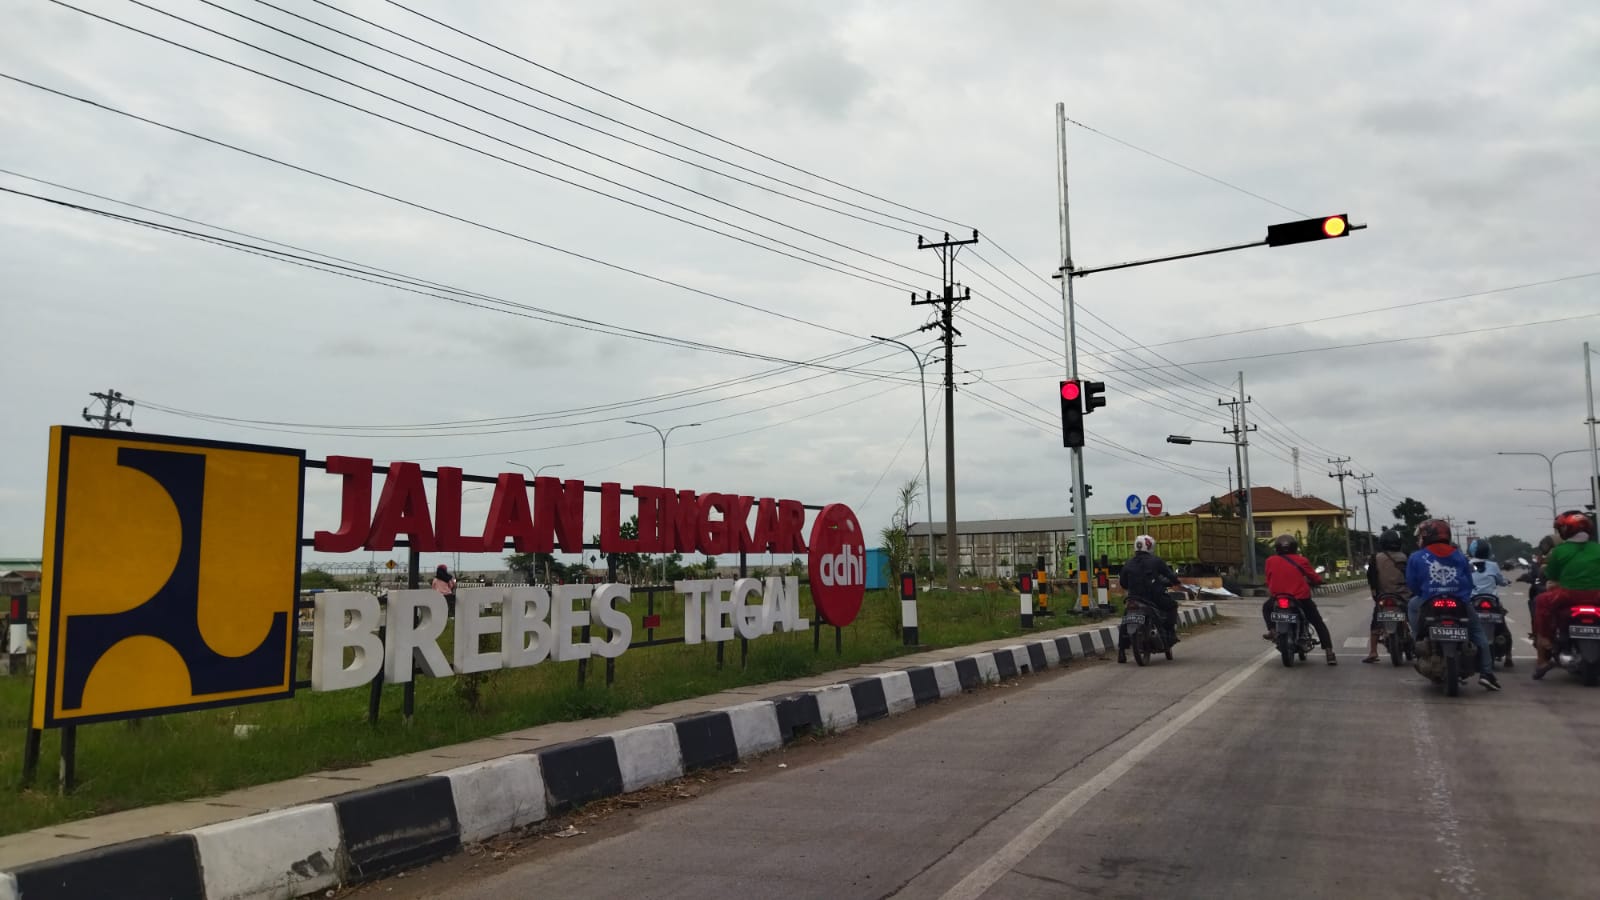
{"x": 1341, "y": 473}
{"x": 1594, "y": 453}
{"x": 1365, "y": 493}
{"x": 109, "y": 419}
{"x": 1241, "y": 433}
{"x": 947, "y": 250}
{"x": 1069, "y": 314}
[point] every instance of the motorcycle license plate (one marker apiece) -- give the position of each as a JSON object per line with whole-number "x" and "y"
{"x": 1447, "y": 633}
{"x": 1391, "y": 615}
{"x": 1133, "y": 619}
{"x": 1583, "y": 631}
{"x": 1284, "y": 617}
{"x": 1492, "y": 617}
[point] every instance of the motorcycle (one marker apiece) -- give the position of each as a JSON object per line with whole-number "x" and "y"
{"x": 1493, "y": 618}
{"x": 1577, "y": 646}
{"x": 1142, "y": 624}
{"x": 1442, "y": 643}
{"x": 1395, "y": 628}
{"x": 1294, "y": 635}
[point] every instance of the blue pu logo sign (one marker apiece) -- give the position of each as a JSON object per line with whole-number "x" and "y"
{"x": 171, "y": 569}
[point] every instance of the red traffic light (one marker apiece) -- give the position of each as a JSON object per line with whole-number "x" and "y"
{"x": 1069, "y": 390}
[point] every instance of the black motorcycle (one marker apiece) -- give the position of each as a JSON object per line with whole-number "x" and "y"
{"x": 1493, "y": 618}
{"x": 1442, "y": 642}
{"x": 1294, "y": 635}
{"x": 1144, "y": 627}
{"x": 1577, "y": 646}
{"x": 1395, "y": 629}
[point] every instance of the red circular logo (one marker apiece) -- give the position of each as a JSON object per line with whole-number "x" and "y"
{"x": 1152, "y": 505}
{"x": 837, "y": 565}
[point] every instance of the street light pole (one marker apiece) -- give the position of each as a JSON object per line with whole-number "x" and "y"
{"x": 1594, "y": 452}
{"x": 1549, "y": 461}
{"x": 663, "y": 435}
{"x": 927, "y": 470}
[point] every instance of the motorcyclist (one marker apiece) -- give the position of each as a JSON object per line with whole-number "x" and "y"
{"x": 1147, "y": 577}
{"x": 1573, "y": 570}
{"x": 1535, "y": 577}
{"x": 1487, "y": 579}
{"x": 1440, "y": 569}
{"x": 1386, "y": 574}
{"x": 1290, "y": 573}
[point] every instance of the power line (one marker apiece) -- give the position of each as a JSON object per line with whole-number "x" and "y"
{"x": 858, "y": 272}
{"x": 578, "y": 122}
{"x": 667, "y": 118}
{"x": 428, "y": 209}
{"x": 1191, "y": 169}
{"x": 1378, "y": 309}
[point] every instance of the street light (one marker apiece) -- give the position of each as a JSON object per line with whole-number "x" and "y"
{"x": 663, "y": 435}
{"x": 1549, "y": 461}
{"x": 531, "y": 470}
{"x": 927, "y": 473}
{"x": 1245, "y": 510}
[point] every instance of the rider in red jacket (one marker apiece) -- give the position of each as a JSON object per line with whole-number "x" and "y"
{"x": 1290, "y": 573}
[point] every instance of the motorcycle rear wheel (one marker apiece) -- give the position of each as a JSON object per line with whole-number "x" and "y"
{"x": 1396, "y": 651}
{"x": 1452, "y": 676}
{"x": 1141, "y": 647}
{"x": 1286, "y": 650}
{"x": 1591, "y": 673}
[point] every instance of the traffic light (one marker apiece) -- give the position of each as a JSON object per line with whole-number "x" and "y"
{"x": 1318, "y": 229}
{"x": 1072, "y": 497}
{"x": 1092, "y": 396}
{"x": 1071, "y": 414}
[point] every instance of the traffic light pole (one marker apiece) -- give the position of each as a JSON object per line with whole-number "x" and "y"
{"x": 1069, "y": 315}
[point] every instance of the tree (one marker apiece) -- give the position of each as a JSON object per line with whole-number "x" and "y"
{"x": 315, "y": 579}
{"x": 1508, "y": 548}
{"x": 909, "y": 492}
{"x": 1324, "y": 546}
{"x": 630, "y": 566}
{"x": 1411, "y": 513}
{"x": 896, "y": 550}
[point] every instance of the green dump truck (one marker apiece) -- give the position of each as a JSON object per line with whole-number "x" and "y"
{"x": 1193, "y": 544}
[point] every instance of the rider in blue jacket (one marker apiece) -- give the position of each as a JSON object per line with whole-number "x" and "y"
{"x": 1440, "y": 569}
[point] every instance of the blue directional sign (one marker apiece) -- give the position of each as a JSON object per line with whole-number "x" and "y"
{"x": 1134, "y": 504}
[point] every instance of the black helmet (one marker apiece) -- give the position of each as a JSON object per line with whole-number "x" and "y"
{"x": 1286, "y": 543}
{"x": 1389, "y": 540}
{"x": 1481, "y": 549}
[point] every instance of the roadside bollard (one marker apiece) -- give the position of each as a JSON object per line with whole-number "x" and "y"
{"x": 908, "y": 608}
{"x": 1025, "y": 585}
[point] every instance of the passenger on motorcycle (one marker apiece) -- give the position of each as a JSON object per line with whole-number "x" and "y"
{"x": 1573, "y": 571}
{"x": 1487, "y": 579}
{"x": 1386, "y": 574}
{"x": 1290, "y": 573}
{"x": 1440, "y": 569}
{"x": 1147, "y": 577}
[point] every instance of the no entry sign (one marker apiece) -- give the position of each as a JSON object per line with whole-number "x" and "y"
{"x": 1152, "y": 505}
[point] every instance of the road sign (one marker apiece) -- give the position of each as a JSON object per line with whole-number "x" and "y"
{"x": 1134, "y": 505}
{"x": 1152, "y": 505}
{"x": 139, "y": 613}
{"x": 390, "y": 565}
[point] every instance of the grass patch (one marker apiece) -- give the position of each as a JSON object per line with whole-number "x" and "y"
{"x": 196, "y": 754}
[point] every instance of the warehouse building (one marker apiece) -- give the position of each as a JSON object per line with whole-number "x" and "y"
{"x": 993, "y": 548}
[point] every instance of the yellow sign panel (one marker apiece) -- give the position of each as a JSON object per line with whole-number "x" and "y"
{"x": 171, "y": 568}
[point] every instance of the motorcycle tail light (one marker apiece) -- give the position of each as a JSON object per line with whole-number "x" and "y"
{"x": 1586, "y": 610}
{"x": 1389, "y": 604}
{"x": 1283, "y": 602}
{"x": 1443, "y": 604}
{"x": 1484, "y": 604}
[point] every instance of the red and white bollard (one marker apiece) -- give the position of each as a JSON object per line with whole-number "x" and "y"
{"x": 908, "y": 608}
{"x": 1025, "y": 585}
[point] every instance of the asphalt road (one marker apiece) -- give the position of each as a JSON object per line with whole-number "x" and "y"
{"x": 1220, "y": 774}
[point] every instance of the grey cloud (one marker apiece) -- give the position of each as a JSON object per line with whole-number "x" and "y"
{"x": 819, "y": 80}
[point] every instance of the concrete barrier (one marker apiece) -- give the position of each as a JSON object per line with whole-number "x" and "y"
{"x": 283, "y": 853}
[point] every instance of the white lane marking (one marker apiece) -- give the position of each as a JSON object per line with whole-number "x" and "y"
{"x": 1458, "y": 872}
{"x": 1017, "y": 849}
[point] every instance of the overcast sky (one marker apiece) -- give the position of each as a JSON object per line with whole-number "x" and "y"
{"x": 1467, "y": 135}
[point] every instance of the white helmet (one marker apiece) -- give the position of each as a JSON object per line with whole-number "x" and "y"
{"x": 1144, "y": 543}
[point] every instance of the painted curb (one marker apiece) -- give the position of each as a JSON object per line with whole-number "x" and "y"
{"x": 307, "y": 849}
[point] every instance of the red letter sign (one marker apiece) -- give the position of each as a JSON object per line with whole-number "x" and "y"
{"x": 838, "y": 565}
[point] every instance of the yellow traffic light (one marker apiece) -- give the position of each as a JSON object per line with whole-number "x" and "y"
{"x": 1333, "y": 226}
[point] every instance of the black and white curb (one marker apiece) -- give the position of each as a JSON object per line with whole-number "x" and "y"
{"x": 366, "y": 834}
